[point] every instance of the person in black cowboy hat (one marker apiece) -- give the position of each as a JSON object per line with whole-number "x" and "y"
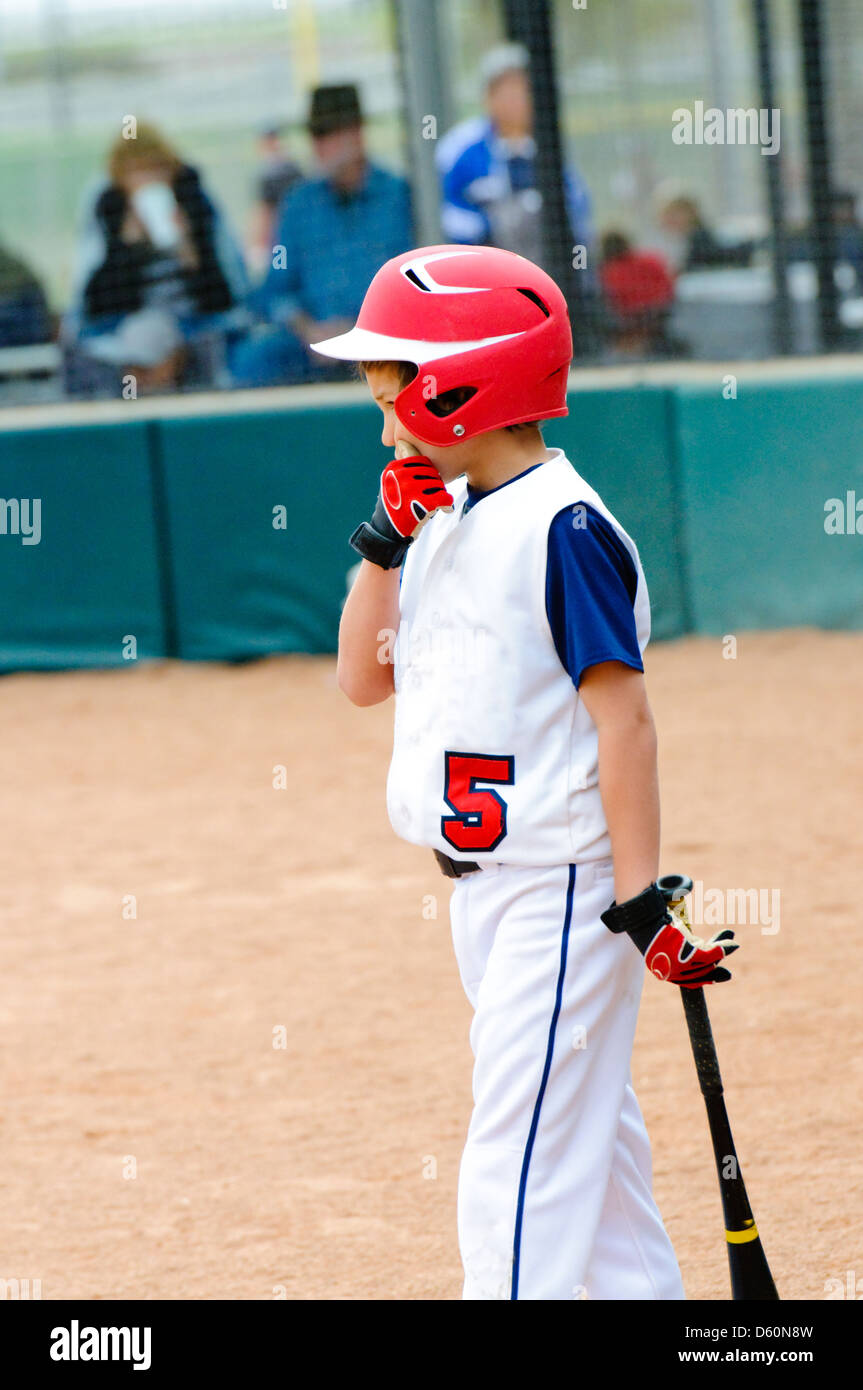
{"x": 333, "y": 233}
{"x": 335, "y": 125}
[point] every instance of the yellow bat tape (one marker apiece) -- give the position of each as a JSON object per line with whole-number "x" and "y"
{"x": 741, "y": 1237}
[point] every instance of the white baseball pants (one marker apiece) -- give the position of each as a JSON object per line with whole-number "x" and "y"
{"x": 555, "y": 1197}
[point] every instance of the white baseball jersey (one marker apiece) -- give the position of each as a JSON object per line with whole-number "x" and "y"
{"x": 495, "y": 754}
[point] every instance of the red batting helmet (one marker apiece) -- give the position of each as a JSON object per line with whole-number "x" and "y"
{"x": 487, "y": 329}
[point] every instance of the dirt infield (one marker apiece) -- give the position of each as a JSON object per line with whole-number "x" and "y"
{"x": 157, "y": 1144}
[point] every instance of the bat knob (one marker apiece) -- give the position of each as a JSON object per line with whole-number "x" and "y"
{"x": 673, "y": 887}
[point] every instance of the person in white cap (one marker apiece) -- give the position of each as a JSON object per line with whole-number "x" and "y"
{"x": 487, "y": 167}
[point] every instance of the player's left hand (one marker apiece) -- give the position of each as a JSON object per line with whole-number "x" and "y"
{"x": 664, "y": 937}
{"x": 411, "y": 491}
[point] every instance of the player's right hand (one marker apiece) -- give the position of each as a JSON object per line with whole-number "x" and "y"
{"x": 411, "y": 491}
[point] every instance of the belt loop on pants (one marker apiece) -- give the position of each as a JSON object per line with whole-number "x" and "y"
{"x": 454, "y": 868}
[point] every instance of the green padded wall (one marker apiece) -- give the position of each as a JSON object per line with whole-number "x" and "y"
{"x": 242, "y": 587}
{"x": 93, "y": 579}
{"x": 755, "y": 474}
{"x": 164, "y": 529}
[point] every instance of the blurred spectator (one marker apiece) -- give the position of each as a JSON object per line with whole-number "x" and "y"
{"x": 639, "y": 291}
{"x": 158, "y": 275}
{"x": 849, "y": 235}
{"x": 849, "y": 231}
{"x": 695, "y": 247}
{"x": 334, "y": 233}
{"x": 277, "y": 174}
{"x": 487, "y": 168}
{"x": 24, "y": 314}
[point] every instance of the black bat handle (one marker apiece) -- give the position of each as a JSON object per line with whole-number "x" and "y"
{"x": 701, "y": 1037}
{"x": 750, "y": 1272}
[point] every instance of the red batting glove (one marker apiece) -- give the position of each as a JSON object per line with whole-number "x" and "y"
{"x": 676, "y": 955}
{"x": 411, "y": 491}
{"x": 671, "y": 951}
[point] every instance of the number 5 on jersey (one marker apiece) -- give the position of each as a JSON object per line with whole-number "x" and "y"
{"x": 479, "y": 820}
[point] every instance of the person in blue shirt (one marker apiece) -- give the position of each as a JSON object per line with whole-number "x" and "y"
{"x": 487, "y": 168}
{"x": 848, "y": 233}
{"x": 333, "y": 232}
{"x": 24, "y": 314}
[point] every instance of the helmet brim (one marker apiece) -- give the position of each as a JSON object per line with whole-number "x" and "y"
{"x": 364, "y": 345}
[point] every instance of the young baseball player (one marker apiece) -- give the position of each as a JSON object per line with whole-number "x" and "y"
{"x": 525, "y": 758}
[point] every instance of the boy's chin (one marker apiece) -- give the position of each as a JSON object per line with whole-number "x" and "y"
{"x": 449, "y": 475}
{"x": 448, "y": 470}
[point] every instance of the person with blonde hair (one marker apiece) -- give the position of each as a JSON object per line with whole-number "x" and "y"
{"x": 159, "y": 274}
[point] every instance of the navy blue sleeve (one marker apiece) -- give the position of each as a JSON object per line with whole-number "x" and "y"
{"x": 589, "y": 593}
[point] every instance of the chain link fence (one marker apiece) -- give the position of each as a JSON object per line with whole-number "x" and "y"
{"x": 106, "y": 287}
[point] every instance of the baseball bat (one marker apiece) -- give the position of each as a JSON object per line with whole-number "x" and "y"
{"x": 751, "y": 1279}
